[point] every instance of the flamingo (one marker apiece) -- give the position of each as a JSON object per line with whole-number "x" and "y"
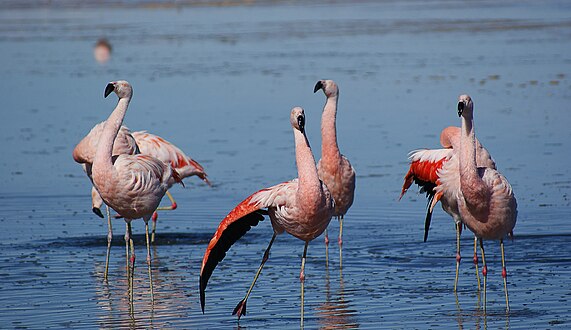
{"x": 479, "y": 196}
{"x": 302, "y": 207}
{"x": 133, "y": 185}
{"x": 333, "y": 168}
{"x": 84, "y": 153}
{"x": 156, "y": 146}
{"x": 427, "y": 166}
{"x": 128, "y": 142}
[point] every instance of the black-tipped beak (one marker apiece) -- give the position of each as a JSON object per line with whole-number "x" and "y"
{"x": 97, "y": 211}
{"x": 460, "y": 108}
{"x": 318, "y": 86}
{"x": 301, "y": 123}
{"x": 109, "y": 89}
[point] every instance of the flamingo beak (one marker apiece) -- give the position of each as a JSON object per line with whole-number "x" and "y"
{"x": 460, "y": 108}
{"x": 318, "y": 86}
{"x": 110, "y": 88}
{"x": 301, "y": 123}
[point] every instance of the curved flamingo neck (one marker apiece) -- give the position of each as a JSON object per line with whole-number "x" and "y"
{"x": 473, "y": 188}
{"x": 309, "y": 184}
{"x": 329, "y": 148}
{"x": 103, "y": 155}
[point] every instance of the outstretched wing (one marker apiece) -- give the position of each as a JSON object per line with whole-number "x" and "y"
{"x": 167, "y": 152}
{"x": 239, "y": 221}
{"x": 423, "y": 171}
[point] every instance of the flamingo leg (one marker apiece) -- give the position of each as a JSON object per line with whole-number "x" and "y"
{"x": 504, "y": 274}
{"x": 149, "y": 260}
{"x": 162, "y": 208}
{"x": 476, "y": 261}
{"x": 458, "y": 256}
{"x": 127, "y": 238}
{"x": 326, "y": 238}
{"x": 484, "y": 270}
{"x": 131, "y": 262}
{"x": 302, "y": 279}
{"x": 241, "y": 307}
{"x": 109, "y": 238}
{"x": 340, "y": 240}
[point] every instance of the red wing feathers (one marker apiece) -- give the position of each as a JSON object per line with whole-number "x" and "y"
{"x": 239, "y": 221}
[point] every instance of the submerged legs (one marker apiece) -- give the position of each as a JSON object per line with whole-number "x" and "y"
{"x": 302, "y": 279}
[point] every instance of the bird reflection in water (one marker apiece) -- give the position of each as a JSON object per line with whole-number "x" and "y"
{"x": 335, "y": 311}
{"x": 479, "y": 315}
{"x": 111, "y": 297}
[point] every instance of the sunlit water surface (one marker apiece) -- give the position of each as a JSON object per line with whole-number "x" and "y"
{"x": 219, "y": 81}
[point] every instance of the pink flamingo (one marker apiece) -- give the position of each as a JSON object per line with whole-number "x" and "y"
{"x": 479, "y": 196}
{"x": 426, "y": 168}
{"x": 84, "y": 153}
{"x": 334, "y": 169}
{"x": 157, "y": 147}
{"x": 302, "y": 207}
{"x": 130, "y": 143}
{"x": 133, "y": 185}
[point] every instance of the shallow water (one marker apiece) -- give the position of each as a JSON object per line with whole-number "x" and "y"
{"x": 219, "y": 81}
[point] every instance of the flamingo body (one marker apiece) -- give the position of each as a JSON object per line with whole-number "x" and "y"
{"x": 333, "y": 168}
{"x": 302, "y": 207}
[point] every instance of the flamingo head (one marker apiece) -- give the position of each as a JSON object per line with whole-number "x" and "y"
{"x": 465, "y": 105}
{"x": 329, "y": 87}
{"x": 121, "y": 87}
{"x": 297, "y": 119}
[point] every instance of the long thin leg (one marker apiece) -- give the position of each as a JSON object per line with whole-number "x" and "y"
{"x": 340, "y": 239}
{"x": 132, "y": 262}
{"x": 505, "y": 275}
{"x": 458, "y": 256}
{"x": 476, "y": 261}
{"x": 109, "y": 238}
{"x": 241, "y": 307}
{"x": 302, "y": 279}
{"x": 156, "y": 216}
{"x": 127, "y": 238}
{"x": 149, "y": 260}
{"x": 484, "y": 270}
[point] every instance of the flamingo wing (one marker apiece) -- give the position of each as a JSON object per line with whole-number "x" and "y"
{"x": 167, "y": 152}
{"x": 238, "y": 222}
{"x": 124, "y": 143}
{"x": 423, "y": 171}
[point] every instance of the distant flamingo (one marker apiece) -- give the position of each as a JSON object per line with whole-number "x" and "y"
{"x": 482, "y": 197}
{"x": 334, "y": 169}
{"x": 133, "y": 185}
{"x": 426, "y": 168}
{"x": 157, "y": 147}
{"x": 302, "y": 207}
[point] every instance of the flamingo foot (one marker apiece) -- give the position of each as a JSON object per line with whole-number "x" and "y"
{"x": 98, "y": 212}
{"x": 240, "y": 309}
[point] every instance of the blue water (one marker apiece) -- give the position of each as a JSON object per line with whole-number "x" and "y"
{"x": 219, "y": 81}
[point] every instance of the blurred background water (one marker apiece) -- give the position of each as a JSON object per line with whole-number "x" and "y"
{"x": 218, "y": 79}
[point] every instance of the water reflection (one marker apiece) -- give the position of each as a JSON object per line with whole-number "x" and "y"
{"x": 112, "y": 297}
{"x": 336, "y": 312}
{"x": 478, "y": 315}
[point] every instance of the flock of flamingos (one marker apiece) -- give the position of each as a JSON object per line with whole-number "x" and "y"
{"x": 132, "y": 171}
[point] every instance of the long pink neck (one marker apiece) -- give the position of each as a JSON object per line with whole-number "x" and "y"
{"x": 329, "y": 148}
{"x": 309, "y": 185}
{"x": 473, "y": 188}
{"x": 112, "y": 125}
